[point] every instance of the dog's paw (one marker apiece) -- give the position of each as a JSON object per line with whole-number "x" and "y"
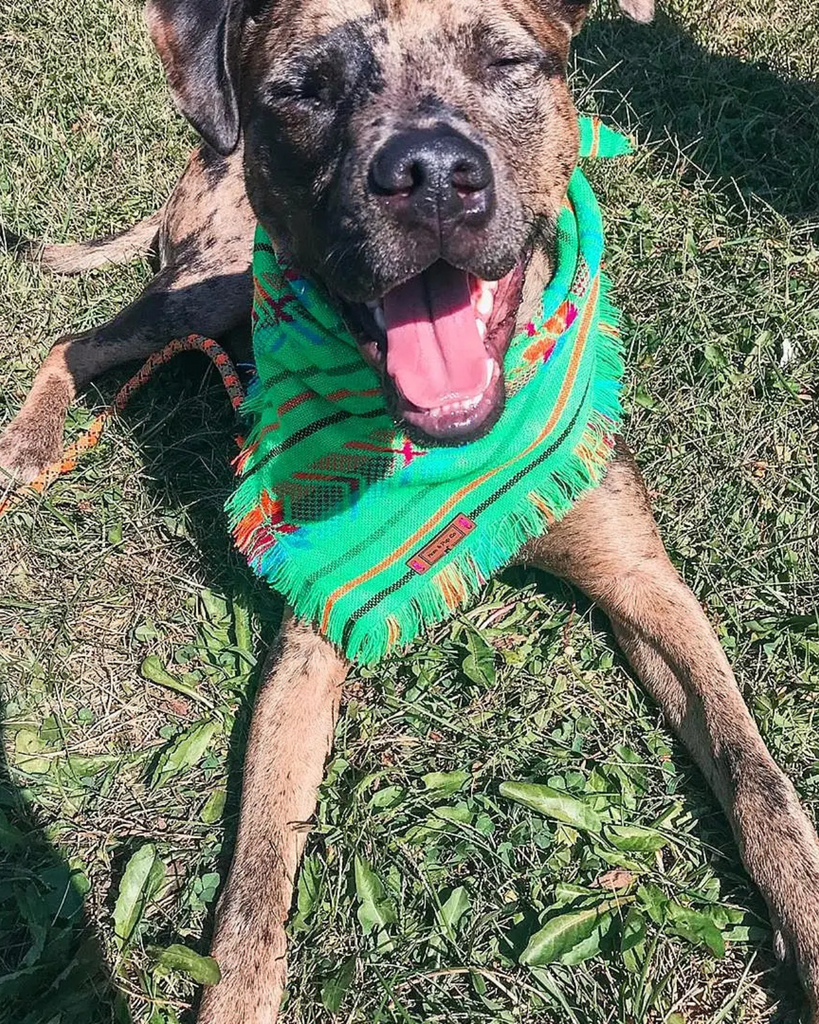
{"x": 802, "y": 955}
{"x": 26, "y": 449}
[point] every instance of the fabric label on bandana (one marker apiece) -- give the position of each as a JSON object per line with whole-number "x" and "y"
{"x": 432, "y": 553}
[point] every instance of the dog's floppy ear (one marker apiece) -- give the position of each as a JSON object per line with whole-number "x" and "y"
{"x": 198, "y": 43}
{"x": 574, "y": 11}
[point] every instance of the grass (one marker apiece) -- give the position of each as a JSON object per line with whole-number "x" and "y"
{"x": 129, "y": 631}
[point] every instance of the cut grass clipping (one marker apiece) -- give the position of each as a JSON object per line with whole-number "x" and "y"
{"x": 508, "y": 832}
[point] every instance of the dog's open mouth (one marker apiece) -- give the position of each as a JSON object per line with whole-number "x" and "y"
{"x": 439, "y": 340}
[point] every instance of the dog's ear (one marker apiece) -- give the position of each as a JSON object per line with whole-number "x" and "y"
{"x": 198, "y": 43}
{"x": 574, "y": 11}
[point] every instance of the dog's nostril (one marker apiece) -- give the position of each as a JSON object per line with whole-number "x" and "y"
{"x": 469, "y": 176}
{"x": 416, "y": 175}
{"x": 393, "y": 173}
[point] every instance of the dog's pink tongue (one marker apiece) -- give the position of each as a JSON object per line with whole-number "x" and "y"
{"x": 434, "y": 352}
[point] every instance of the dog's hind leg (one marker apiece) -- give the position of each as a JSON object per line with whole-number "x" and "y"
{"x": 610, "y": 548}
{"x": 291, "y": 735}
{"x": 174, "y": 304}
{"x": 78, "y": 257}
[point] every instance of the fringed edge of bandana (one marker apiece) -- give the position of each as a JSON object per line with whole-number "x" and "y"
{"x": 453, "y": 587}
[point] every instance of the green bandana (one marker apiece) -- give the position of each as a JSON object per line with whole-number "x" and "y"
{"x": 372, "y": 536}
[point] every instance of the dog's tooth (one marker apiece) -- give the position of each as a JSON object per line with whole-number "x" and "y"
{"x": 378, "y": 316}
{"x": 485, "y": 303}
{"x": 481, "y": 328}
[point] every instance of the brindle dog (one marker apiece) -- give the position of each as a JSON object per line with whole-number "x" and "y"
{"x": 383, "y": 141}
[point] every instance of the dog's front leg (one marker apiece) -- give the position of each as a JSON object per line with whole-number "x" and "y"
{"x": 609, "y": 547}
{"x": 174, "y": 304}
{"x": 290, "y": 737}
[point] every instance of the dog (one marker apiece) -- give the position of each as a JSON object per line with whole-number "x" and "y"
{"x": 375, "y": 138}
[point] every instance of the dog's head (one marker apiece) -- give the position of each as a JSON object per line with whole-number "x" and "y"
{"x": 411, "y": 155}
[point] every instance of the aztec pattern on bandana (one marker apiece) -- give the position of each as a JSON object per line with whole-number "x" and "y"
{"x": 373, "y": 537}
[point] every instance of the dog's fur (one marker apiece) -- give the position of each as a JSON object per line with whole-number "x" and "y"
{"x": 381, "y": 64}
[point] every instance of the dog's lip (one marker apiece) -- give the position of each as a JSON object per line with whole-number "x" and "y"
{"x": 457, "y": 420}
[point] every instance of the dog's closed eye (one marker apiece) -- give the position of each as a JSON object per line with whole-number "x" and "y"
{"x": 312, "y": 90}
{"x": 515, "y": 60}
{"x": 510, "y": 62}
{"x": 513, "y": 65}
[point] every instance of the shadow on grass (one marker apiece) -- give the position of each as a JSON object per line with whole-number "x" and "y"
{"x": 51, "y": 964}
{"x": 738, "y": 122}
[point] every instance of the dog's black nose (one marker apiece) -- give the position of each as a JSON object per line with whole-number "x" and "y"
{"x": 434, "y": 177}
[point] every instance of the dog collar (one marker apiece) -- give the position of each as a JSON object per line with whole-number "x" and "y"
{"x": 373, "y": 537}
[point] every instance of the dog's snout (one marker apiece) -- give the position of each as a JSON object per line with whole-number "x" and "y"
{"x": 434, "y": 177}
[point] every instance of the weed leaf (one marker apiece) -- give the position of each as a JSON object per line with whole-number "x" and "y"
{"x": 35, "y": 913}
{"x": 203, "y": 969}
{"x": 479, "y": 664}
{"x": 154, "y": 671}
{"x": 335, "y": 987}
{"x": 634, "y": 839}
{"x": 696, "y": 927}
{"x": 214, "y": 807}
{"x": 308, "y": 891}
{"x": 591, "y": 946}
{"x": 452, "y": 911}
{"x": 243, "y": 629}
{"x": 551, "y": 803}
{"x": 633, "y": 931}
{"x": 144, "y": 874}
{"x": 561, "y": 934}
{"x": 375, "y": 910}
{"x": 184, "y": 752}
{"x": 445, "y": 783}
{"x": 654, "y": 902}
